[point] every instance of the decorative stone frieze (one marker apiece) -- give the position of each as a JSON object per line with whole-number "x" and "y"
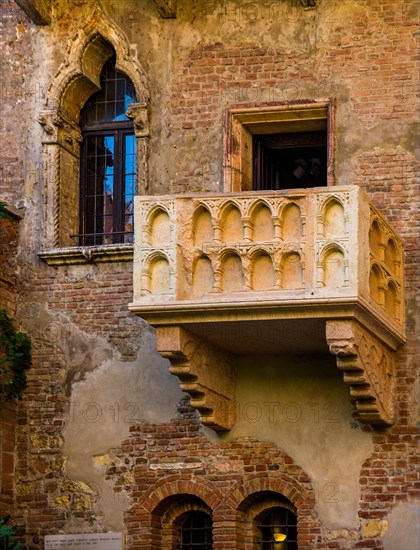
{"x": 228, "y": 263}
{"x": 59, "y": 131}
{"x": 61, "y": 143}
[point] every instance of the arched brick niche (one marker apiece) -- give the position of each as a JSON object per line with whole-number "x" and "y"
{"x": 274, "y": 489}
{"x": 172, "y": 520}
{"x": 254, "y": 507}
{"x": 234, "y": 512}
{"x": 160, "y": 510}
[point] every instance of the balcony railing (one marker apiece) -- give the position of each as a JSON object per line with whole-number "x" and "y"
{"x": 214, "y": 263}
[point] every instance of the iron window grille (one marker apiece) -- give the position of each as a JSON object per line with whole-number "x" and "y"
{"x": 196, "y": 531}
{"x": 277, "y": 530}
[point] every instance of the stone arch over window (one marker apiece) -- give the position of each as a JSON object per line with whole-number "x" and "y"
{"x": 77, "y": 80}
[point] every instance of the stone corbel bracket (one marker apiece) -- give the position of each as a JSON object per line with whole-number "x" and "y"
{"x": 367, "y": 365}
{"x": 206, "y": 373}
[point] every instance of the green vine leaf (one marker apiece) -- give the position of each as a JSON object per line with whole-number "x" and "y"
{"x": 3, "y": 212}
{"x": 15, "y": 359}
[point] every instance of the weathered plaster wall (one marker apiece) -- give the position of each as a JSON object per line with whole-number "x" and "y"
{"x": 88, "y": 349}
{"x": 406, "y": 514}
{"x": 310, "y": 417}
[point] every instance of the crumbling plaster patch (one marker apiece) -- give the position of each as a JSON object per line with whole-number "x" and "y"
{"x": 105, "y": 394}
{"x": 111, "y": 398}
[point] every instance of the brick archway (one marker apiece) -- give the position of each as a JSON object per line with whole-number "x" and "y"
{"x": 164, "y": 502}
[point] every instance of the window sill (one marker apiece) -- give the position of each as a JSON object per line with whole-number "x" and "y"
{"x": 88, "y": 254}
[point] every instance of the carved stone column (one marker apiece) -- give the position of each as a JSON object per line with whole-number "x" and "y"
{"x": 367, "y": 365}
{"x": 205, "y": 372}
{"x": 61, "y": 148}
{"x": 138, "y": 112}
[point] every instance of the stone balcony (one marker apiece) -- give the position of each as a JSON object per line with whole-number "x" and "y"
{"x": 301, "y": 271}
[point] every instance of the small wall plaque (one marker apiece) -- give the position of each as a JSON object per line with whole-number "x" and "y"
{"x": 87, "y": 541}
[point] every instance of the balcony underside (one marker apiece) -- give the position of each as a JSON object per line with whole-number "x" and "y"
{"x": 260, "y": 327}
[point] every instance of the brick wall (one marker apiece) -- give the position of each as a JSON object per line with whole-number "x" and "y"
{"x": 169, "y": 464}
{"x": 15, "y": 46}
{"x": 8, "y": 419}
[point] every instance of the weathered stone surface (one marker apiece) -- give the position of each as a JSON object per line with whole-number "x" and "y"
{"x": 375, "y": 528}
{"x": 37, "y": 10}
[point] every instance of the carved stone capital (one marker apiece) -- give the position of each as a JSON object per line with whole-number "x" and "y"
{"x": 139, "y": 114}
{"x": 206, "y": 373}
{"x": 367, "y": 365}
{"x": 60, "y": 131}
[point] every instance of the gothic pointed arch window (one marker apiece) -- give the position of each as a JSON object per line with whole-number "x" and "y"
{"x": 95, "y": 147}
{"x": 108, "y": 161}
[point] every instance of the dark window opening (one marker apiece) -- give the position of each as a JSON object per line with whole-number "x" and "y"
{"x": 108, "y": 162}
{"x": 289, "y": 161}
{"x": 196, "y": 532}
{"x": 277, "y": 530}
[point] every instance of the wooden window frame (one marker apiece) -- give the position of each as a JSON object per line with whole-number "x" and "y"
{"x": 242, "y": 123}
{"x": 118, "y": 130}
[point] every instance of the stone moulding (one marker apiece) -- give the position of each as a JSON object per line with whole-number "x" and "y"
{"x": 220, "y": 265}
{"x": 88, "y": 254}
{"x": 77, "y": 78}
